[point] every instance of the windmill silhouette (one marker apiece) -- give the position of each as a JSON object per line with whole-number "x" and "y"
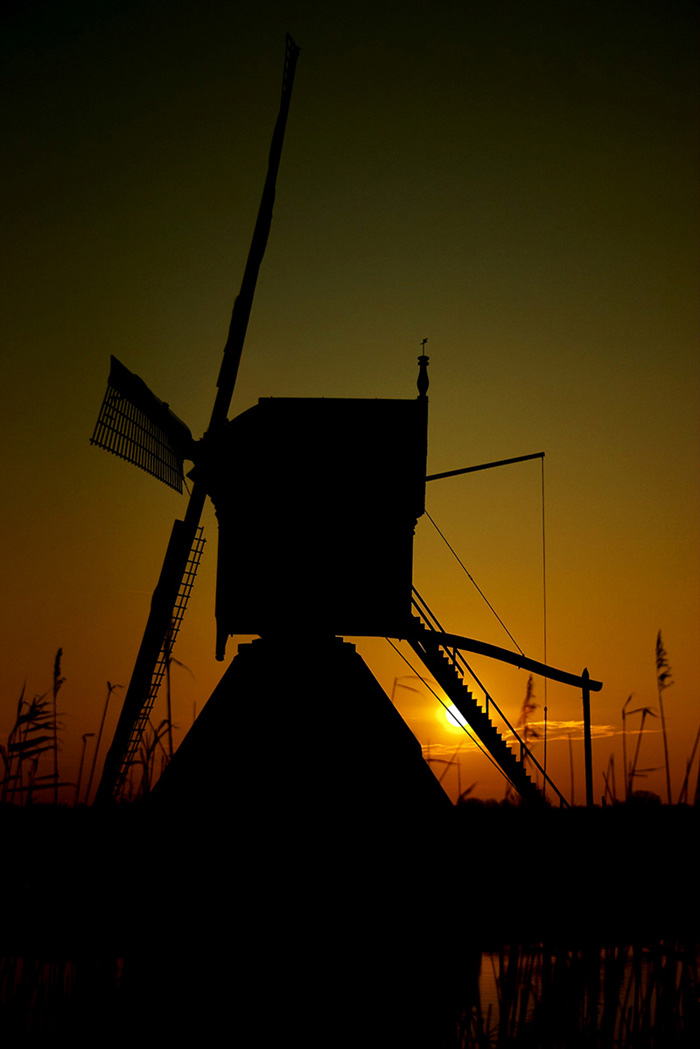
{"x": 317, "y": 502}
{"x": 311, "y": 858}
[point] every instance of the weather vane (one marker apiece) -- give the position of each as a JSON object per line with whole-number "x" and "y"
{"x": 423, "y": 380}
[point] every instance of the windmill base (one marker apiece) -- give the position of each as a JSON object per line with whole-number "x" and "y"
{"x": 306, "y": 830}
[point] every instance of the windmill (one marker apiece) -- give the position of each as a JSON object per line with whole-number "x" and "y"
{"x": 317, "y": 502}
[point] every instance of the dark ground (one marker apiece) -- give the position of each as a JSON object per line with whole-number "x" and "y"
{"x": 180, "y": 925}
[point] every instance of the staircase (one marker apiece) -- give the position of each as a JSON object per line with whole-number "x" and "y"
{"x": 444, "y": 664}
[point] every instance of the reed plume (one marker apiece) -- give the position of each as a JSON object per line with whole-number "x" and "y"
{"x": 663, "y": 681}
{"x": 526, "y": 711}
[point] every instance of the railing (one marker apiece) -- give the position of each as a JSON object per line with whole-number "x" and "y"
{"x": 461, "y": 666}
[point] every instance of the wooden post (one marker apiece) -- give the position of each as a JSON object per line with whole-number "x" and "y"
{"x": 588, "y": 749}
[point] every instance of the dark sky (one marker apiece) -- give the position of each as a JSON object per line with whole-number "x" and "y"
{"x": 515, "y": 181}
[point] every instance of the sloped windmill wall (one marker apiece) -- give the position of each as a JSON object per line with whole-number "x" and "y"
{"x": 317, "y": 502}
{"x": 299, "y": 732}
{"x": 299, "y": 831}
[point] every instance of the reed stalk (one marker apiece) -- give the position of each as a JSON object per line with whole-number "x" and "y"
{"x": 683, "y": 796}
{"x": 58, "y": 680}
{"x": 624, "y": 747}
{"x": 645, "y": 712}
{"x": 110, "y": 689}
{"x": 86, "y": 737}
{"x": 663, "y": 681}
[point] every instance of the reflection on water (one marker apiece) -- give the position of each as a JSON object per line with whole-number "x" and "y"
{"x": 620, "y": 997}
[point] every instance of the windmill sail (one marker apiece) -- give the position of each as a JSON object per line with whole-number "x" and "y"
{"x": 138, "y": 427}
{"x": 183, "y": 538}
{"x": 164, "y": 657}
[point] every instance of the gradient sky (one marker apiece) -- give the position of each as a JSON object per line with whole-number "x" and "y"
{"x": 515, "y": 181}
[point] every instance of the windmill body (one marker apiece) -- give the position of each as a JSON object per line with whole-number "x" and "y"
{"x": 317, "y": 502}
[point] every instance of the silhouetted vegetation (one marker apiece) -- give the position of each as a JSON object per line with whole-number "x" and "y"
{"x": 614, "y": 997}
{"x": 34, "y": 736}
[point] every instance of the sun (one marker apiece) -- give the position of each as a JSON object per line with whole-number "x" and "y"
{"x": 454, "y": 718}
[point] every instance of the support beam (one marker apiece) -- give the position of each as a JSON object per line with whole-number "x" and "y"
{"x": 468, "y": 644}
{"x": 484, "y": 466}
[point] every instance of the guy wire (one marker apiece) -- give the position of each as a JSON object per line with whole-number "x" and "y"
{"x": 471, "y": 577}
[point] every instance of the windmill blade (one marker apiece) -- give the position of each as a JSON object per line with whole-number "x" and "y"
{"x": 156, "y": 637}
{"x": 150, "y": 689}
{"x": 135, "y": 425}
{"x": 244, "y": 301}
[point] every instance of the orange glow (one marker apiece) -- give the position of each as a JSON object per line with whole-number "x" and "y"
{"x": 524, "y": 215}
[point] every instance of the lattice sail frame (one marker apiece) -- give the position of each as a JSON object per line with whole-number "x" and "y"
{"x": 165, "y": 655}
{"x": 135, "y": 425}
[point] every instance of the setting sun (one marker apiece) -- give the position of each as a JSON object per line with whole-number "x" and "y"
{"x": 454, "y": 718}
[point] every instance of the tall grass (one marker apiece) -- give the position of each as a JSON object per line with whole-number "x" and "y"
{"x": 34, "y": 736}
{"x": 110, "y": 689}
{"x": 614, "y": 997}
{"x": 663, "y": 681}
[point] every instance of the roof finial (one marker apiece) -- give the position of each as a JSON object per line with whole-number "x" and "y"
{"x": 423, "y": 380}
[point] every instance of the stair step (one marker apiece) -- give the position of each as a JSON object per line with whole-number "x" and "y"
{"x": 445, "y": 671}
